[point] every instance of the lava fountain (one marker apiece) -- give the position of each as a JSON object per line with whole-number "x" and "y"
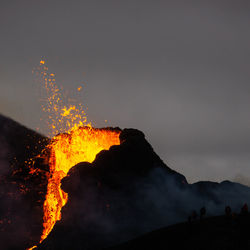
{"x": 76, "y": 142}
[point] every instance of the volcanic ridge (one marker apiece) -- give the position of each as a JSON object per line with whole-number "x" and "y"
{"x": 127, "y": 191}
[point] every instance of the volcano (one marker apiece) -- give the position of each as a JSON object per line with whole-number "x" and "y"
{"x": 117, "y": 194}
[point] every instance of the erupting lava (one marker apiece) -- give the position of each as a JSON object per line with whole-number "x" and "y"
{"x": 76, "y": 144}
{"x": 67, "y": 150}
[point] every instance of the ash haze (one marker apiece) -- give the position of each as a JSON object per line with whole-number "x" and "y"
{"x": 177, "y": 70}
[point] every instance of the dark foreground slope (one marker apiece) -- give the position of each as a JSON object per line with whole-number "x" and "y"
{"x": 128, "y": 191}
{"x": 21, "y": 193}
{"x": 215, "y": 233}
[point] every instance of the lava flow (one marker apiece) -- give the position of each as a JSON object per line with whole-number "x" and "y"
{"x": 76, "y": 141}
{"x": 67, "y": 150}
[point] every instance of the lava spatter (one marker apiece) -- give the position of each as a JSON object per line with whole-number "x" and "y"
{"x": 73, "y": 140}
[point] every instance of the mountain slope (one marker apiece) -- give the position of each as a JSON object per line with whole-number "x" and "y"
{"x": 21, "y": 194}
{"x": 128, "y": 191}
{"x": 215, "y": 233}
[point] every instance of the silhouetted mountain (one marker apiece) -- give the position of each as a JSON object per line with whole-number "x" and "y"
{"x": 17, "y": 143}
{"x": 128, "y": 191}
{"x": 21, "y": 194}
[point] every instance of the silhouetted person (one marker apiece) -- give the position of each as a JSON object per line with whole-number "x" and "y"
{"x": 244, "y": 209}
{"x": 202, "y": 212}
{"x": 228, "y": 211}
{"x": 194, "y": 215}
{"x": 243, "y": 227}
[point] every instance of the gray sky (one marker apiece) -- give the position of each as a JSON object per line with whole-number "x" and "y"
{"x": 177, "y": 70}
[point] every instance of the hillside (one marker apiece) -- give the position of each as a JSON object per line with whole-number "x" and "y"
{"x": 215, "y": 233}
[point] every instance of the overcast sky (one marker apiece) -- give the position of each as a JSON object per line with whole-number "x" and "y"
{"x": 177, "y": 70}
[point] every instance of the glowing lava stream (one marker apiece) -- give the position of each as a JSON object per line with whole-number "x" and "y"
{"x": 73, "y": 144}
{"x": 66, "y": 150}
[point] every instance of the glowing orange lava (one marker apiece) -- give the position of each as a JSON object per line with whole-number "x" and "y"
{"x": 67, "y": 150}
{"x": 77, "y": 142}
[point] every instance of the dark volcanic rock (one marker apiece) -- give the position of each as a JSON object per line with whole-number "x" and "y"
{"x": 21, "y": 194}
{"x": 18, "y": 142}
{"x": 111, "y": 200}
{"x": 128, "y": 191}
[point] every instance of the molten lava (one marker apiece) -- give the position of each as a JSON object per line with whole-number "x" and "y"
{"x": 76, "y": 141}
{"x": 67, "y": 150}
